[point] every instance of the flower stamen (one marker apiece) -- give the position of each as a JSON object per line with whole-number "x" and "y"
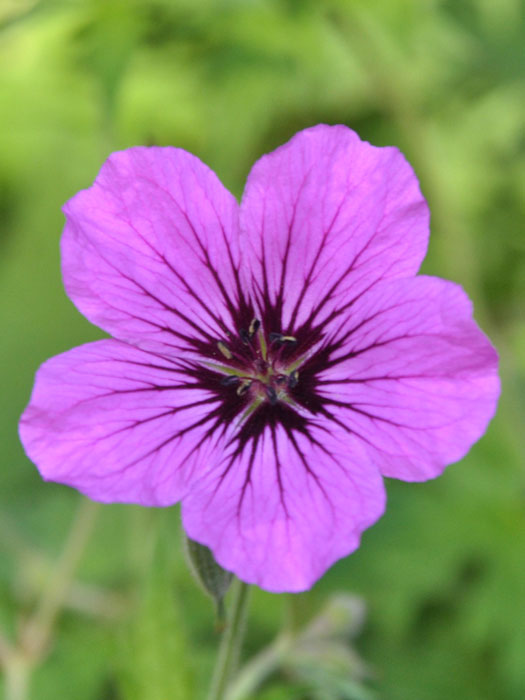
{"x": 244, "y": 386}
{"x": 254, "y": 327}
{"x": 231, "y": 380}
{"x": 264, "y": 373}
{"x": 293, "y": 379}
{"x": 281, "y": 339}
{"x": 245, "y": 336}
{"x": 225, "y": 350}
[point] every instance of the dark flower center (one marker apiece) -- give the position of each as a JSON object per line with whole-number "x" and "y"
{"x": 263, "y": 376}
{"x": 256, "y": 367}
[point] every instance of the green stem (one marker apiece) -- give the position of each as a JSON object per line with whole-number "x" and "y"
{"x": 37, "y": 632}
{"x": 230, "y": 643}
{"x": 16, "y": 679}
{"x": 252, "y": 675}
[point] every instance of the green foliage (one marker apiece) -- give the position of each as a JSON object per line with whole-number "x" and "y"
{"x": 156, "y": 660}
{"x": 442, "y": 573}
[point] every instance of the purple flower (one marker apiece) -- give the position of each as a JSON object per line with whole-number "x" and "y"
{"x": 270, "y": 362}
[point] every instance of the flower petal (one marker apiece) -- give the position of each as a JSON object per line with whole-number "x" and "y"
{"x": 326, "y": 216}
{"x": 142, "y": 249}
{"x": 412, "y": 375}
{"x": 285, "y": 505}
{"x": 119, "y": 424}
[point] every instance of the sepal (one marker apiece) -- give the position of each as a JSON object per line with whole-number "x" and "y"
{"x": 213, "y": 578}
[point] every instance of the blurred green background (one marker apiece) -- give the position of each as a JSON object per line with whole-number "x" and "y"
{"x": 440, "y": 579}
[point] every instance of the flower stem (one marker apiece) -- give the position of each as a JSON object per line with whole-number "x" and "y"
{"x": 261, "y": 666}
{"x": 230, "y": 643}
{"x": 16, "y": 683}
{"x": 37, "y": 632}
{"x": 252, "y": 675}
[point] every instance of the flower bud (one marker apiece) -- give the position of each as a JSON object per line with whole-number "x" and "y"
{"x": 213, "y": 578}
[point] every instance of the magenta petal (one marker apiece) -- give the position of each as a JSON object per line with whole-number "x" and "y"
{"x": 414, "y": 377}
{"x": 142, "y": 249}
{"x": 118, "y": 424}
{"x": 285, "y": 508}
{"x": 326, "y": 216}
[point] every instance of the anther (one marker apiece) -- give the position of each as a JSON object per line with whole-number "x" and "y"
{"x": 293, "y": 379}
{"x": 225, "y": 350}
{"x": 280, "y": 338}
{"x": 244, "y": 336}
{"x": 281, "y": 379}
{"x": 271, "y": 394}
{"x": 243, "y": 387}
{"x": 231, "y": 380}
{"x": 254, "y": 327}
